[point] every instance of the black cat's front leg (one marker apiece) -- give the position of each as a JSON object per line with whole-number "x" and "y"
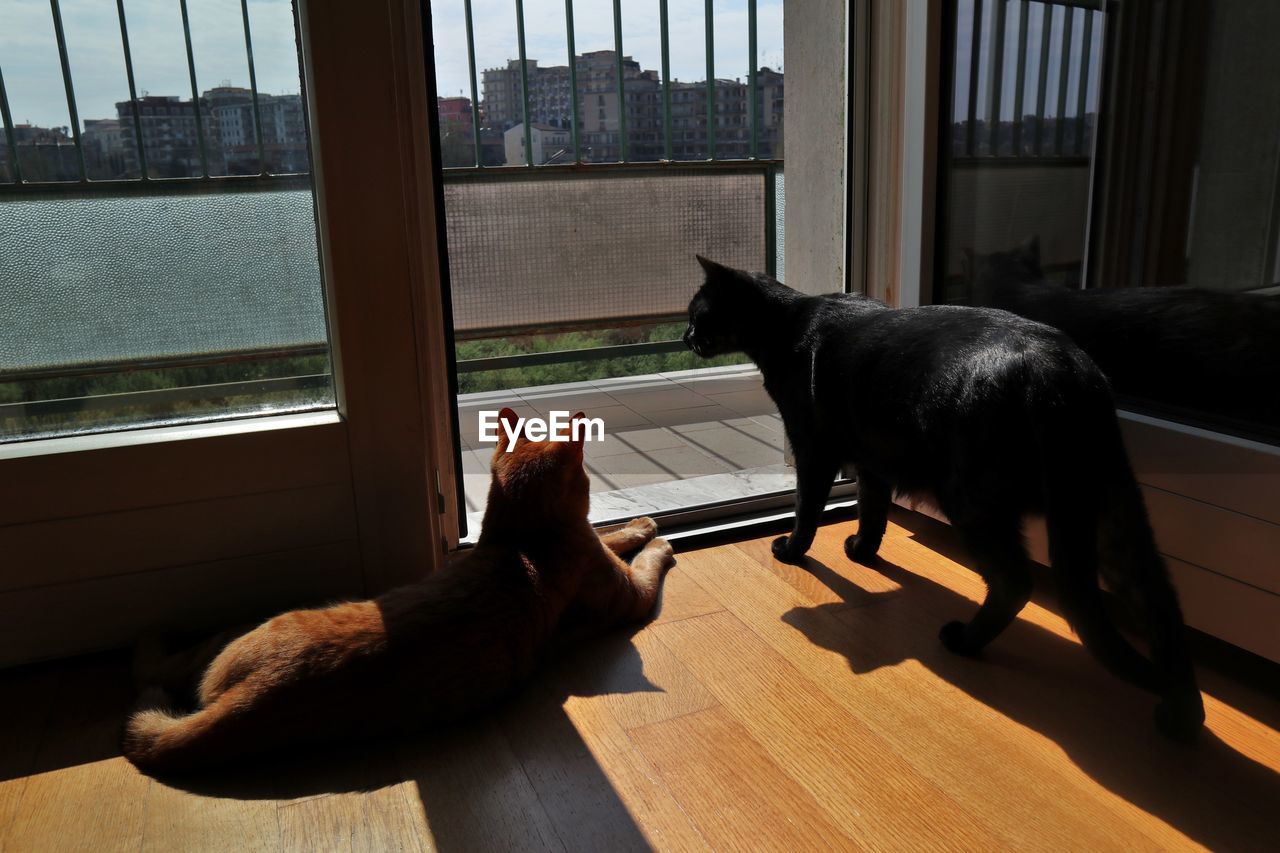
{"x": 813, "y": 485}
{"x": 874, "y": 497}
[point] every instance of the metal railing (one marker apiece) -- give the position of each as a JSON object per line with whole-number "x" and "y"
{"x": 22, "y": 421}
{"x": 147, "y": 184}
{"x": 623, "y": 136}
{"x": 1071, "y": 61}
{"x": 18, "y": 182}
{"x": 666, "y": 165}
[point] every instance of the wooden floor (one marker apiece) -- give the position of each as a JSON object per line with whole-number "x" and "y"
{"x": 766, "y": 708}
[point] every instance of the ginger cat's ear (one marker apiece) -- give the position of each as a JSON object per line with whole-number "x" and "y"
{"x": 578, "y": 427}
{"x": 509, "y": 417}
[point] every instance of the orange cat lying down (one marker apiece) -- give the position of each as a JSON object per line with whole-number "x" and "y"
{"x": 433, "y": 651}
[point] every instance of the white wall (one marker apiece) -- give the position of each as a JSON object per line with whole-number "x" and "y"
{"x": 814, "y": 119}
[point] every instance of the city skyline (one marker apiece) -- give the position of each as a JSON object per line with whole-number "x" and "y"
{"x": 545, "y": 39}
{"x": 183, "y": 96}
{"x": 33, "y": 77}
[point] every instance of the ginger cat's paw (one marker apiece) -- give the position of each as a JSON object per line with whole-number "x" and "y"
{"x": 645, "y": 526}
{"x": 666, "y": 554}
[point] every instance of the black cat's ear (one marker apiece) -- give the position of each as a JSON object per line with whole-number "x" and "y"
{"x": 711, "y": 267}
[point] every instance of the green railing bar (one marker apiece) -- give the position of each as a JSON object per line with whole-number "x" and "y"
{"x": 65, "y": 61}
{"x": 1064, "y": 72}
{"x": 475, "y": 93}
{"x": 665, "y": 26}
{"x": 711, "y": 84}
{"x": 985, "y": 162}
{"x": 524, "y": 85}
{"x": 195, "y": 89}
{"x": 997, "y": 73}
{"x": 133, "y": 91}
{"x": 1084, "y": 80}
{"x": 1046, "y": 32}
{"x": 975, "y": 46}
{"x": 1020, "y": 83}
{"x": 139, "y": 365}
{"x": 770, "y": 221}
{"x": 534, "y": 359}
{"x": 185, "y": 393}
{"x": 15, "y": 171}
{"x": 573, "y": 80}
{"x": 253, "y": 89}
{"x": 588, "y": 171}
{"x": 622, "y": 87}
{"x": 128, "y": 187}
{"x": 752, "y": 83}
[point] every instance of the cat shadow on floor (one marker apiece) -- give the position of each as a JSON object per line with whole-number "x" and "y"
{"x": 527, "y": 754}
{"x": 1048, "y": 683}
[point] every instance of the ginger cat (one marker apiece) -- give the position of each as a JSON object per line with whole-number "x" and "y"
{"x": 430, "y": 652}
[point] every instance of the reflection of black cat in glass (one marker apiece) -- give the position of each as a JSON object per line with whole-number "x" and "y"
{"x": 1214, "y": 352}
{"x": 986, "y": 415}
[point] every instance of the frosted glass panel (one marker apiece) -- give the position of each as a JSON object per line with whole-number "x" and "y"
{"x": 136, "y": 310}
{"x": 92, "y": 280}
{"x": 570, "y": 249}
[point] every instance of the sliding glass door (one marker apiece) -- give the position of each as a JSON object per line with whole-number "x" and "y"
{"x": 589, "y": 151}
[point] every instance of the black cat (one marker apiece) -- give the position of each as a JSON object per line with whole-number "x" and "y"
{"x": 986, "y": 415}
{"x": 1206, "y": 351}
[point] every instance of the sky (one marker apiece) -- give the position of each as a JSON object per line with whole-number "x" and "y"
{"x": 33, "y": 77}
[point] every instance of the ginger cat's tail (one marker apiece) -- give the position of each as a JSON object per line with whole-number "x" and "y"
{"x": 158, "y": 740}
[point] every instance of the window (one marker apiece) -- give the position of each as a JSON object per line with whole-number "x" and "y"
{"x": 162, "y": 275}
{"x": 1185, "y": 321}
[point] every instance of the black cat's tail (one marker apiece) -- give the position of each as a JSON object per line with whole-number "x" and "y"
{"x": 1074, "y": 518}
{"x": 1133, "y": 568}
{"x": 1098, "y": 525}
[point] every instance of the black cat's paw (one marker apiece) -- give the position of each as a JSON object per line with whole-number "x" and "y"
{"x": 955, "y": 636}
{"x": 784, "y": 552}
{"x": 860, "y": 550}
{"x": 1180, "y": 716}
